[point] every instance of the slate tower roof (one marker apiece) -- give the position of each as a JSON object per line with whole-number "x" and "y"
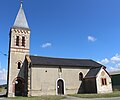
{"x": 21, "y": 21}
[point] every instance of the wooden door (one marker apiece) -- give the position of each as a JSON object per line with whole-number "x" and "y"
{"x": 60, "y": 86}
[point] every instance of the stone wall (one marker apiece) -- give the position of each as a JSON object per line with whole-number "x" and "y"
{"x": 103, "y": 88}
{"x": 44, "y": 79}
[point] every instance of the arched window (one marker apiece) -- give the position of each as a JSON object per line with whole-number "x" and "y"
{"x": 80, "y": 76}
{"x": 23, "y": 41}
{"x": 17, "y": 41}
{"x": 19, "y": 65}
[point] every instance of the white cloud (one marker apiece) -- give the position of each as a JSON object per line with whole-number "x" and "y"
{"x": 105, "y": 61}
{"x": 111, "y": 69}
{"x": 115, "y": 58}
{"x": 113, "y": 63}
{"x": 3, "y": 76}
{"x": 118, "y": 65}
{"x": 91, "y": 38}
{"x": 46, "y": 45}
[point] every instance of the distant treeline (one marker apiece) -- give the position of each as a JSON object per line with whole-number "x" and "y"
{"x": 3, "y": 86}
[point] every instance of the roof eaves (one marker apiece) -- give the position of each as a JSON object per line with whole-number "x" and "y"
{"x": 16, "y": 27}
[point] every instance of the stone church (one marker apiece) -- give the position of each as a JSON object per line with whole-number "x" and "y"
{"x": 30, "y": 75}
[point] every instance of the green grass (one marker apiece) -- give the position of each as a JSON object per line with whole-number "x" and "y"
{"x": 38, "y": 98}
{"x": 108, "y": 95}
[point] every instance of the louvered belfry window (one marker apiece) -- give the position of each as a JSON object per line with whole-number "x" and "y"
{"x": 23, "y": 41}
{"x": 17, "y": 41}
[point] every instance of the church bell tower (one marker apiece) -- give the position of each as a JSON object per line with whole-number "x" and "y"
{"x": 18, "y": 47}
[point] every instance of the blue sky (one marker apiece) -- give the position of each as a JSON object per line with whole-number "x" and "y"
{"x": 87, "y": 29}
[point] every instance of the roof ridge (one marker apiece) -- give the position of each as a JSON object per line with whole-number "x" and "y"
{"x": 61, "y": 58}
{"x": 40, "y": 60}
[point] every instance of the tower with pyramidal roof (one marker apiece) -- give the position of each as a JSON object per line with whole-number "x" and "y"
{"x": 18, "y": 48}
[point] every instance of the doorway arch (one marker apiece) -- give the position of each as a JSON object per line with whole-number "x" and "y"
{"x": 60, "y": 87}
{"x": 18, "y": 86}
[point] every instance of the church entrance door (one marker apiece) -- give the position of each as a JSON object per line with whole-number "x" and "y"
{"x": 19, "y": 87}
{"x": 60, "y": 87}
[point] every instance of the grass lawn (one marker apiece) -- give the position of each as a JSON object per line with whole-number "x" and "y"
{"x": 114, "y": 94}
{"x": 38, "y": 98}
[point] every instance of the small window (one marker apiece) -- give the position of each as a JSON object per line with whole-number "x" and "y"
{"x": 17, "y": 41}
{"x": 80, "y": 76}
{"x": 23, "y": 41}
{"x": 19, "y": 65}
{"x": 104, "y": 81}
